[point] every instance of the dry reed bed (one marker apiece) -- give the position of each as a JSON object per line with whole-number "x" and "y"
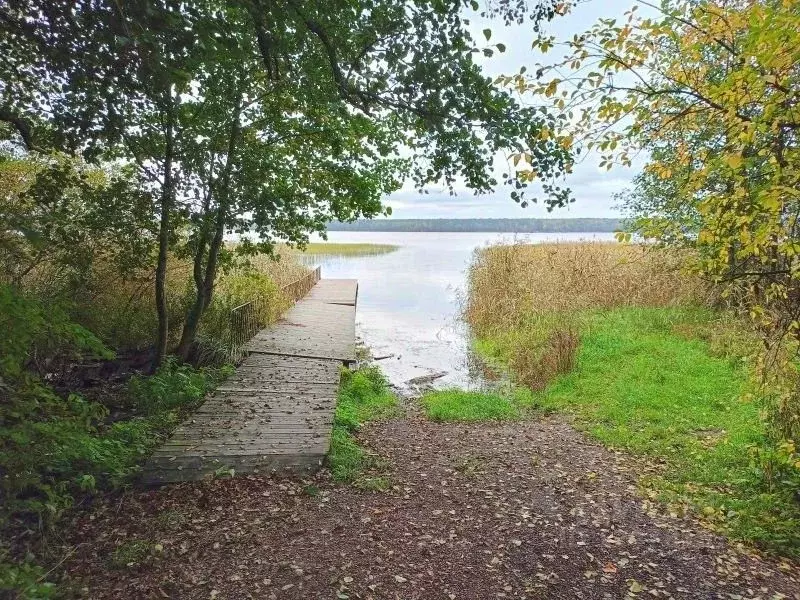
{"x": 120, "y": 307}
{"x": 509, "y": 283}
{"x": 528, "y": 298}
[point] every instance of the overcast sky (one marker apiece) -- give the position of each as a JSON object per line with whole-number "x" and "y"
{"x": 592, "y": 188}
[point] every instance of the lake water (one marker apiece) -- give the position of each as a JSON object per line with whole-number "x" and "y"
{"x": 409, "y": 300}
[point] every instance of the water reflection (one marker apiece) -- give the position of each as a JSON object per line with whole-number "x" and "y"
{"x": 409, "y": 300}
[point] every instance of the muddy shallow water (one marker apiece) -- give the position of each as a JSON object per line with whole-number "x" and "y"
{"x": 408, "y": 302}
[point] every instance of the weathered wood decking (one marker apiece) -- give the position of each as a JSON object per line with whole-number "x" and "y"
{"x": 276, "y": 411}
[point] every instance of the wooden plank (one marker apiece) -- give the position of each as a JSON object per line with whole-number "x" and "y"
{"x": 254, "y": 435}
{"x": 194, "y": 468}
{"x": 261, "y": 404}
{"x": 262, "y": 427}
{"x": 254, "y": 446}
{"x": 335, "y": 291}
{"x": 290, "y": 364}
{"x": 277, "y": 410}
{"x": 257, "y": 376}
{"x": 324, "y": 331}
{"x": 277, "y": 418}
{"x": 317, "y": 447}
{"x": 268, "y": 393}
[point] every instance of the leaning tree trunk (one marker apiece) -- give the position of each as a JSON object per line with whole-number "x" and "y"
{"x": 204, "y": 281}
{"x": 167, "y": 193}
{"x": 204, "y": 291}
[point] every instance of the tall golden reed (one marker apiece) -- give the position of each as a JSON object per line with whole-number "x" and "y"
{"x": 530, "y": 296}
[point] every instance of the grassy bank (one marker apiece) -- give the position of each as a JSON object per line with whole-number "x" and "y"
{"x": 620, "y": 340}
{"x": 354, "y": 249}
{"x": 363, "y": 396}
{"x": 460, "y": 405}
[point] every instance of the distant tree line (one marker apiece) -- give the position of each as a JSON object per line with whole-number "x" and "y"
{"x": 484, "y": 225}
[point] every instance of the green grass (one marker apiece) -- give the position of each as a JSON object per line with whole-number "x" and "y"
{"x": 332, "y": 249}
{"x": 363, "y": 396}
{"x": 459, "y": 405}
{"x": 130, "y": 553}
{"x": 642, "y": 385}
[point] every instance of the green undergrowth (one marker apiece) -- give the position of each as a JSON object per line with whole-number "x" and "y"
{"x": 671, "y": 384}
{"x": 62, "y": 450}
{"x": 364, "y": 396}
{"x": 460, "y": 405}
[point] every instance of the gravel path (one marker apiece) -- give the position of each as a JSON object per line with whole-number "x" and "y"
{"x": 523, "y": 510}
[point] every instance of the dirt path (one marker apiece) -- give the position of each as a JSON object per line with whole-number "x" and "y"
{"x": 525, "y": 510}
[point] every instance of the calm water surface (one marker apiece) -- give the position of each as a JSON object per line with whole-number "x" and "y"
{"x": 409, "y": 300}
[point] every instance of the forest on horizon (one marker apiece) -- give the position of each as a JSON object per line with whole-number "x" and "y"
{"x": 529, "y": 225}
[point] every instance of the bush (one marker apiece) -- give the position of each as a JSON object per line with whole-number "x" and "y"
{"x": 57, "y": 449}
{"x": 25, "y": 581}
{"x": 218, "y": 334}
{"x": 536, "y": 363}
{"x": 46, "y": 440}
{"x": 173, "y": 386}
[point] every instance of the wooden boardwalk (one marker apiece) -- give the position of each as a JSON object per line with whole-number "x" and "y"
{"x": 276, "y": 411}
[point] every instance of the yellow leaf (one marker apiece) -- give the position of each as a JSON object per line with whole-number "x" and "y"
{"x": 734, "y": 160}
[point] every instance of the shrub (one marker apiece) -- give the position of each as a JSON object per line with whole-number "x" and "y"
{"x": 44, "y": 438}
{"x": 216, "y": 336}
{"x": 778, "y": 464}
{"x": 173, "y": 386}
{"x": 24, "y": 580}
{"x": 57, "y": 449}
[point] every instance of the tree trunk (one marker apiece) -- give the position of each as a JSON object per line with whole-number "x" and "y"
{"x": 204, "y": 281}
{"x": 204, "y": 293}
{"x": 167, "y": 193}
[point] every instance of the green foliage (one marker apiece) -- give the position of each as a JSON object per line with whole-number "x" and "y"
{"x": 777, "y": 464}
{"x": 173, "y": 386}
{"x": 129, "y": 554}
{"x": 46, "y": 446}
{"x": 347, "y": 460}
{"x": 656, "y": 202}
{"x": 25, "y": 580}
{"x": 204, "y": 121}
{"x": 58, "y": 448}
{"x": 60, "y": 216}
{"x": 459, "y": 405}
{"x": 363, "y": 396}
{"x": 35, "y": 332}
{"x": 238, "y": 287}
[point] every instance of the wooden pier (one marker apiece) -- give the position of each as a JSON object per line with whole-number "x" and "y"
{"x": 276, "y": 411}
